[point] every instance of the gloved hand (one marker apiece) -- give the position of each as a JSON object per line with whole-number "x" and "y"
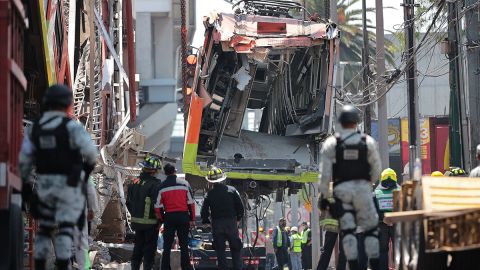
{"x": 323, "y": 204}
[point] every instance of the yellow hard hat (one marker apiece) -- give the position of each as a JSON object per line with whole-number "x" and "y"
{"x": 388, "y": 174}
{"x": 437, "y": 174}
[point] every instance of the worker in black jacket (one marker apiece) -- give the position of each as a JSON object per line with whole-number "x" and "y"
{"x": 140, "y": 201}
{"x": 223, "y": 207}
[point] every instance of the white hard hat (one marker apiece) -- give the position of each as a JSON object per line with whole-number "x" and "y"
{"x": 294, "y": 229}
{"x": 478, "y": 149}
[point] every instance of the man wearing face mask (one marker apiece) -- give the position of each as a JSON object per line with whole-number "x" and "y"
{"x": 384, "y": 201}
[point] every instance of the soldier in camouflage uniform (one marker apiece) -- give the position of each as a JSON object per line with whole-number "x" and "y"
{"x": 63, "y": 154}
{"x": 351, "y": 160}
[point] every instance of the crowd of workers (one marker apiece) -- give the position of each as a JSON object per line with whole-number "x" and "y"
{"x": 64, "y": 201}
{"x": 174, "y": 207}
{"x": 288, "y": 246}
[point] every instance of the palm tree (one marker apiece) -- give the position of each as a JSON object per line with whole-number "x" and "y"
{"x": 351, "y": 36}
{"x": 351, "y": 29}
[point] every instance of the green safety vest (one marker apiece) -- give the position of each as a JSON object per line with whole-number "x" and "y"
{"x": 305, "y": 236}
{"x": 297, "y": 242}
{"x": 279, "y": 237}
{"x": 384, "y": 199}
{"x": 329, "y": 224}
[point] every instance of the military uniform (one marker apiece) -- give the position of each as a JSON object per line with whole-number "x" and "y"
{"x": 58, "y": 147}
{"x": 351, "y": 159}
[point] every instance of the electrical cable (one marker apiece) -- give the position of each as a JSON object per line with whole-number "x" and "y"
{"x": 424, "y": 40}
{"x": 404, "y": 69}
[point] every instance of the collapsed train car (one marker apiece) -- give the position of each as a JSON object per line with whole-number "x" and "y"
{"x": 272, "y": 59}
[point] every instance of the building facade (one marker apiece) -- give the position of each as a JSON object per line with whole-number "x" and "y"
{"x": 158, "y": 28}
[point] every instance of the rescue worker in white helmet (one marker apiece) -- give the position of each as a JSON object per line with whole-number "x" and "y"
{"x": 351, "y": 159}
{"x": 141, "y": 196}
{"x": 295, "y": 249}
{"x": 223, "y": 208}
{"x": 384, "y": 202}
{"x": 63, "y": 155}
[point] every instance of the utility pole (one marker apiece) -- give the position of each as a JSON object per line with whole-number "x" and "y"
{"x": 367, "y": 118}
{"x": 326, "y": 7}
{"x": 455, "y": 130}
{"x": 382, "y": 102}
{"x": 315, "y": 215}
{"x": 333, "y": 11}
{"x": 473, "y": 84}
{"x": 413, "y": 121}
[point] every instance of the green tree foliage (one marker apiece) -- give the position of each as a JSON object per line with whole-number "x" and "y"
{"x": 350, "y": 25}
{"x": 351, "y": 37}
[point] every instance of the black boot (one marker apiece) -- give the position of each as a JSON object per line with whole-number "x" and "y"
{"x": 62, "y": 264}
{"x": 147, "y": 265}
{"x": 374, "y": 264}
{"x": 40, "y": 264}
{"x": 353, "y": 265}
{"x": 135, "y": 265}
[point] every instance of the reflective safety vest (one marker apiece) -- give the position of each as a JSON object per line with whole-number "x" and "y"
{"x": 384, "y": 199}
{"x": 279, "y": 237}
{"x": 329, "y": 224}
{"x": 305, "y": 236}
{"x": 297, "y": 242}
